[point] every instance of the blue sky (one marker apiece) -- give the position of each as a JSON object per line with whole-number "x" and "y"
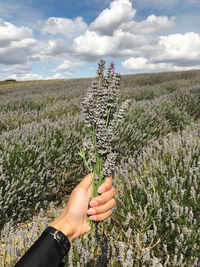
{"x": 65, "y": 39}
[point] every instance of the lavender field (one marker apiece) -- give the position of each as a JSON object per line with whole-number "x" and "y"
{"x": 157, "y": 173}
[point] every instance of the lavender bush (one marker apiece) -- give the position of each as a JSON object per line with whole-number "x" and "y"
{"x": 34, "y": 169}
{"x": 157, "y": 174}
{"x": 156, "y": 219}
{"x": 161, "y": 186}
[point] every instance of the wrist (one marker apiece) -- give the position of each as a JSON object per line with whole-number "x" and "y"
{"x": 65, "y": 227}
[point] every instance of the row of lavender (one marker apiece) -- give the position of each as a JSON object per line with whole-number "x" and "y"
{"x": 24, "y": 104}
{"x": 156, "y": 219}
{"x": 38, "y": 161}
{"x": 34, "y": 157}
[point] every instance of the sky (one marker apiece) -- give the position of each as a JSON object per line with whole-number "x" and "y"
{"x": 59, "y": 39}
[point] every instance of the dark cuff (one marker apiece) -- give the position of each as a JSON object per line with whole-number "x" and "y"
{"x": 46, "y": 251}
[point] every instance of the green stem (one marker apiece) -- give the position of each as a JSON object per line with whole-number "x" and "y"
{"x": 99, "y": 82}
{"x": 107, "y": 118}
{"x": 97, "y": 171}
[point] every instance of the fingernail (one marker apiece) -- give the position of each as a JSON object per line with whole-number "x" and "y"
{"x": 93, "y": 203}
{"x": 101, "y": 189}
{"x": 93, "y": 218}
{"x": 91, "y": 211}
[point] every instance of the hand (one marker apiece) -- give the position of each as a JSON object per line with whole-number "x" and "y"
{"x": 73, "y": 221}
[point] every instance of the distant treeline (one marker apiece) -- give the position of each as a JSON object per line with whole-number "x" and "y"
{"x": 8, "y": 81}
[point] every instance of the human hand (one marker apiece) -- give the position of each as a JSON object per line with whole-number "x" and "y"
{"x": 73, "y": 221}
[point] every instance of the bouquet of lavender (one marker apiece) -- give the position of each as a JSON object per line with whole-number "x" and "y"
{"x": 101, "y": 115}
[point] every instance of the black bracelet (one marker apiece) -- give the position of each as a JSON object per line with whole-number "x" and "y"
{"x": 59, "y": 237}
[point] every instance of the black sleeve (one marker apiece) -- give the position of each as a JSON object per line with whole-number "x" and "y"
{"x": 45, "y": 252}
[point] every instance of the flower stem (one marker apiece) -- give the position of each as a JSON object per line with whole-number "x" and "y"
{"x": 96, "y": 172}
{"x": 107, "y": 118}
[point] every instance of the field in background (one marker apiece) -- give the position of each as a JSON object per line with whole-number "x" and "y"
{"x": 157, "y": 171}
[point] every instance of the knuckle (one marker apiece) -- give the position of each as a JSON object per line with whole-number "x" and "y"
{"x": 100, "y": 200}
{"x": 114, "y": 190}
{"x": 109, "y": 179}
{"x": 100, "y": 218}
{"x": 107, "y": 186}
{"x": 114, "y": 201}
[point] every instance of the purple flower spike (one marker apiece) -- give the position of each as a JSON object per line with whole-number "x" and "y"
{"x": 112, "y": 66}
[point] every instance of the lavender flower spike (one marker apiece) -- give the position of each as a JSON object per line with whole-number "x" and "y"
{"x": 101, "y": 115}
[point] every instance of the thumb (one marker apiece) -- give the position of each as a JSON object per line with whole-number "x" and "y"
{"x": 86, "y": 182}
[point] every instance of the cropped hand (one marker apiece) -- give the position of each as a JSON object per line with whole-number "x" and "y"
{"x": 73, "y": 221}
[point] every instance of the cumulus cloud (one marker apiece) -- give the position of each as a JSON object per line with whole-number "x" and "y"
{"x": 150, "y": 25}
{"x": 120, "y": 16}
{"x": 176, "y": 52}
{"x": 92, "y": 44}
{"x": 25, "y": 77}
{"x": 114, "y": 33}
{"x": 141, "y": 63}
{"x": 134, "y": 63}
{"x": 68, "y": 66}
{"x": 9, "y": 32}
{"x": 180, "y": 46}
{"x": 18, "y": 52}
{"x": 56, "y": 76}
{"x": 65, "y": 26}
{"x": 18, "y": 68}
{"x": 120, "y": 44}
{"x": 55, "y": 47}
{"x": 110, "y": 19}
{"x": 18, "y": 47}
{"x": 17, "y": 44}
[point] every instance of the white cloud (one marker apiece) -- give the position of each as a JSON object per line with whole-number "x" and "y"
{"x": 114, "y": 33}
{"x": 65, "y": 26}
{"x": 91, "y": 44}
{"x": 182, "y": 68}
{"x": 17, "y": 47}
{"x": 150, "y": 25}
{"x": 134, "y": 63}
{"x": 18, "y": 52}
{"x": 67, "y": 66}
{"x": 141, "y": 63}
{"x": 17, "y": 44}
{"x": 25, "y": 77}
{"x": 55, "y": 47}
{"x": 120, "y": 44}
{"x": 175, "y": 52}
{"x": 180, "y": 46}
{"x": 18, "y": 68}
{"x": 110, "y": 19}
{"x": 56, "y": 76}
{"x": 9, "y": 32}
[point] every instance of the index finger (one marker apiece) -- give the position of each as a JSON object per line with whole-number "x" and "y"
{"x": 102, "y": 199}
{"x": 107, "y": 185}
